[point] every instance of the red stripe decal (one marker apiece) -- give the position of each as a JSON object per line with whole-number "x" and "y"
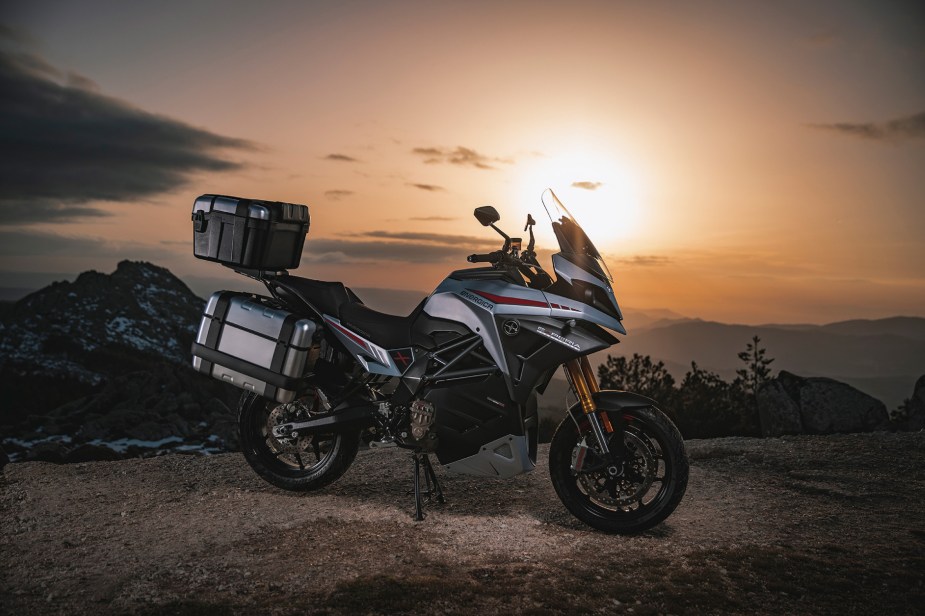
{"x": 349, "y": 334}
{"x": 516, "y": 301}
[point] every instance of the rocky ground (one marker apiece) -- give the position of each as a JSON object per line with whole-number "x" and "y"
{"x": 800, "y": 524}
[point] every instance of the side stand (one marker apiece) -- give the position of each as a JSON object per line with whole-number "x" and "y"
{"x": 430, "y": 480}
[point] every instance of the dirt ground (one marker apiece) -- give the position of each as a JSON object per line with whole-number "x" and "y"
{"x": 828, "y": 525}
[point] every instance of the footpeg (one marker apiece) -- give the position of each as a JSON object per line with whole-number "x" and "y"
{"x": 385, "y": 441}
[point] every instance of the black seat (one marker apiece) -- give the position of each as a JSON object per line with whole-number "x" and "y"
{"x": 323, "y": 297}
{"x": 387, "y": 330}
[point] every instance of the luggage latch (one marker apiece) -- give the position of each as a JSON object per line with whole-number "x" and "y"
{"x": 199, "y": 221}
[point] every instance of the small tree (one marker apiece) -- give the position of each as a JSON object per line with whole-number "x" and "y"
{"x": 757, "y": 369}
{"x": 711, "y": 407}
{"x": 640, "y": 375}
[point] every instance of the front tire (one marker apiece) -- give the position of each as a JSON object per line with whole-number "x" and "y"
{"x": 302, "y": 464}
{"x": 649, "y": 486}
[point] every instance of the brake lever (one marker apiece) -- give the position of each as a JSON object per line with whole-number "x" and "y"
{"x": 529, "y": 226}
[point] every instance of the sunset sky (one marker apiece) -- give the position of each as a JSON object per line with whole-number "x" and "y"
{"x": 750, "y": 162}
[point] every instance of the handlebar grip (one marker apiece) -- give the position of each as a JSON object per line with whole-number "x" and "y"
{"x": 490, "y": 257}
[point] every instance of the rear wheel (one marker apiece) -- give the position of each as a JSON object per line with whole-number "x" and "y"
{"x": 620, "y": 498}
{"x": 300, "y": 464}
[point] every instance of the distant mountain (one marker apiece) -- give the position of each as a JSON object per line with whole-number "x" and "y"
{"x": 635, "y": 320}
{"x": 883, "y": 357}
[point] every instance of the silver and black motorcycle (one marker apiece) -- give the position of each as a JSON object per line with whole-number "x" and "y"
{"x": 457, "y": 378}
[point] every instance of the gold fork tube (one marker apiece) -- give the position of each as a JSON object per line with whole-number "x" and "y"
{"x": 585, "y": 384}
{"x": 590, "y": 379}
{"x": 576, "y": 375}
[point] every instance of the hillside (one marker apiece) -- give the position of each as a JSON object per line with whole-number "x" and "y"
{"x": 100, "y": 366}
{"x": 204, "y": 535}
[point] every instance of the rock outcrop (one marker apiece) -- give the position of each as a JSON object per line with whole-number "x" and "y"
{"x": 791, "y": 404}
{"x": 100, "y": 367}
{"x": 911, "y": 415}
{"x": 140, "y": 306}
{"x": 777, "y": 411}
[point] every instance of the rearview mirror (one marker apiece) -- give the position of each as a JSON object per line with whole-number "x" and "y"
{"x": 487, "y": 215}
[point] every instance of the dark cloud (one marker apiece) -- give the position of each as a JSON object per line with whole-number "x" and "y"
{"x": 459, "y": 156}
{"x": 909, "y": 127}
{"x": 587, "y": 185}
{"x": 63, "y": 145}
{"x": 644, "y": 261}
{"x": 16, "y": 35}
{"x": 428, "y": 187}
{"x": 337, "y": 195}
{"x": 343, "y": 158}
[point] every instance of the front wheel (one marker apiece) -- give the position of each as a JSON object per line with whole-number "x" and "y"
{"x": 630, "y": 497}
{"x": 300, "y": 464}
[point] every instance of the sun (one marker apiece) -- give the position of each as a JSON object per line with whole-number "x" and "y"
{"x": 601, "y": 191}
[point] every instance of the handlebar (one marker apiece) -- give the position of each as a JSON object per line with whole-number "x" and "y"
{"x": 499, "y": 256}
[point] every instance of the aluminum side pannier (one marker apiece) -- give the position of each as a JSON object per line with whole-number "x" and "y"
{"x": 250, "y": 344}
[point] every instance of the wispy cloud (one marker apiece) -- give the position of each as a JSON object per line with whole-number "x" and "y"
{"x": 337, "y": 195}
{"x": 460, "y": 155}
{"x": 434, "y": 238}
{"x": 908, "y": 127}
{"x": 823, "y": 38}
{"x": 428, "y": 187}
{"x": 360, "y": 251}
{"x": 644, "y": 261}
{"x": 343, "y": 158}
{"x": 64, "y": 145}
{"x": 587, "y": 185}
{"x": 434, "y": 218}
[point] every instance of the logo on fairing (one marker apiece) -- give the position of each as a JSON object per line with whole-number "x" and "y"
{"x": 478, "y": 301}
{"x": 511, "y": 327}
{"x": 402, "y": 357}
{"x": 542, "y": 331}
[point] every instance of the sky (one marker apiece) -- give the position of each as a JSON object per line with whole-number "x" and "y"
{"x": 747, "y": 162}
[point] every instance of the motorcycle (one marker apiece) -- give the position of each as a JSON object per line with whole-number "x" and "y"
{"x": 457, "y": 378}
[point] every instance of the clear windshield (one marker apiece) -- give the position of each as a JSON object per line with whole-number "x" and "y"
{"x": 574, "y": 243}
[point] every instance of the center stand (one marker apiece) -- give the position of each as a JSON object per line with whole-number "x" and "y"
{"x": 430, "y": 479}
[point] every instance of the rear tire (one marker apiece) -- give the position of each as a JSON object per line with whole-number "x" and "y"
{"x": 302, "y": 464}
{"x": 648, "y": 490}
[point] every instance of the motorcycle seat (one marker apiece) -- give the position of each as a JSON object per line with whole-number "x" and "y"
{"x": 320, "y": 296}
{"x": 387, "y": 330}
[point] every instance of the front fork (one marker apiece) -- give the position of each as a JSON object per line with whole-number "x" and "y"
{"x": 584, "y": 384}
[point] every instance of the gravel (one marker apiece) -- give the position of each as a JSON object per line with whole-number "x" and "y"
{"x": 807, "y": 524}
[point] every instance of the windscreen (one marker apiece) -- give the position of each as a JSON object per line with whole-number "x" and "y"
{"x": 574, "y": 243}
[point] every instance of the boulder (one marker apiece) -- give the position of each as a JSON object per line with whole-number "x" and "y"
{"x": 828, "y": 406}
{"x": 911, "y": 414}
{"x": 47, "y": 452}
{"x": 91, "y": 453}
{"x": 824, "y": 406}
{"x": 777, "y": 411}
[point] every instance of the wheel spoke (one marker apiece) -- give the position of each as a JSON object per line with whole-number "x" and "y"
{"x": 298, "y": 458}
{"x": 317, "y": 450}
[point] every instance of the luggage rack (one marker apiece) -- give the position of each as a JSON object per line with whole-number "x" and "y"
{"x": 258, "y": 274}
